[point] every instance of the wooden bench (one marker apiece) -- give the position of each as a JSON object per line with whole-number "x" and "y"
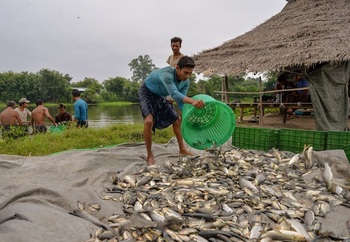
{"x": 256, "y": 106}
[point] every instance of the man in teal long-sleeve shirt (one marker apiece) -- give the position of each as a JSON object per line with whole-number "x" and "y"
{"x": 158, "y": 112}
{"x": 80, "y": 110}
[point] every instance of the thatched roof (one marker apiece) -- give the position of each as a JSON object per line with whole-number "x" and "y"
{"x": 304, "y": 33}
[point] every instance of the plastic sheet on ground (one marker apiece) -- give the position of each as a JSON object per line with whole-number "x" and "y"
{"x": 39, "y": 193}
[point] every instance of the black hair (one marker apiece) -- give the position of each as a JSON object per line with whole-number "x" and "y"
{"x": 186, "y": 61}
{"x": 282, "y": 77}
{"x": 61, "y": 105}
{"x": 76, "y": 93}
{"x": 11, "y": 104}
{"x": 39, "y": 102}
{"x": 176, "y": 39}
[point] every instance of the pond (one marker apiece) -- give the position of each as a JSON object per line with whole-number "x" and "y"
{"x": 100, "y": 116}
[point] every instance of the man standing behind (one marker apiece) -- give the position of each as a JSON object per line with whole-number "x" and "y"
{"x": 9, "y": 118}
{"x": 80, "y": 110}
{"x": 175, "y": 44}
{"x": 23, "y": 113}
{"x": 38, "y": 117}
{"x": 157, "y": 111}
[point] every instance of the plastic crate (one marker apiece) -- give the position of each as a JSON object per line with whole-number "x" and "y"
{"x": 255, "y": 138}
{"x": 294, "y": 139}
{"x": 337, "y": 140}
{"x": 347, "y": 151}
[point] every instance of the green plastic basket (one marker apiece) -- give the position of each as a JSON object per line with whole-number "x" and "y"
{"x": 255, "y": 138}
{"x": 337, "y": 139}
{"x": 207, "y": 127}
{"x": 57, "y": 129}
{"x": 347, "y": 151}
{"x": 294, "y": 139}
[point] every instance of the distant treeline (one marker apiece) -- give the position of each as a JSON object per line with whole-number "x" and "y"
{"x": 53, "y": 86}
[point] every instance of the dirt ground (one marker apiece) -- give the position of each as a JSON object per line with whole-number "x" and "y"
{"x": 271, "y": 120}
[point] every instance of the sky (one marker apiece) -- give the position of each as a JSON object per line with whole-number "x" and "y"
{"x": 99, "y": 38}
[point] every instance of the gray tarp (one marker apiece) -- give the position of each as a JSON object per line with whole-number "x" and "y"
{"x": 329, "y": 95}
{"x": 37, "y": 193}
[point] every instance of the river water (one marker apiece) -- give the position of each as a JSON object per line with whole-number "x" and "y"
{"x": 100, "y": 116}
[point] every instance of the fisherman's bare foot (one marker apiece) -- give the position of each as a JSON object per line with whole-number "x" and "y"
{"x": 150, "y": 161}
{"x": 185, "y": 152}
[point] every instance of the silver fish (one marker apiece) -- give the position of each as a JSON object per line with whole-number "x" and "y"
{"x": 156, "y": 216}
{"x": 129, "y": 179}
{"x": 309, "y": 157}
{"x": 144, "y": 180}
{"x": 259, "y": 178}
{"x": 278, "y": 235}
{"x": 277, "y": 155}
{"x": 309, "y": 217}
{"x": 298, "y": 227}
{"x": 245, "y": 183}
{"x": 294, "y": 159}
{"x": 327, "y": 174}
{"x": 256, "y": 231}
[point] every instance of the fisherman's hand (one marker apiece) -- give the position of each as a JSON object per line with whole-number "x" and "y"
{"x": 198, "y": 103}
{"x": 170, "y": 99}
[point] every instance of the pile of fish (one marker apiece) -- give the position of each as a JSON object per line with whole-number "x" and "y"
{"x": 231, "y": 195}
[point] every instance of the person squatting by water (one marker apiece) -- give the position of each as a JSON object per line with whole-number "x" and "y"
{"x": 62, "y": 117}
{"x": 158, "y": 112}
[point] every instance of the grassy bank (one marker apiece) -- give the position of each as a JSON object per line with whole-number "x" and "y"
{"x": 73, "y": 138}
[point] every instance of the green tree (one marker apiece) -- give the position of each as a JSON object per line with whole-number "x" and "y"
{"x": 14, "y": 86}
{"x": 93, "y": 91}
{"x": 271, "y": 79}
{"x": 141, "y": 67}
{"x": 54, "y": 86}
{"x": 115, "y": 86}
{"x": 193, "y": 90}
{"x": 130, "y": 91}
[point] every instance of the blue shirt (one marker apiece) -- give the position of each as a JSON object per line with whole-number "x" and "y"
{"x": 302, "y": 83}
{"x": 163, "y": 82}
{"x": 80, "y": 110}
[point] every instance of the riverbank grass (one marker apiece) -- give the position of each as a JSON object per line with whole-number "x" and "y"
{"x": 78, "y": 138}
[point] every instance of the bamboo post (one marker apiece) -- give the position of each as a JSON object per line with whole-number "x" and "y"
{"x": 261, "y": 118}
{"x": 222, "y": 89}
{"x": 226, "y": 89}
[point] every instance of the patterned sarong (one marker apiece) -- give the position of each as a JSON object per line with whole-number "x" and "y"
{"x": 163, "y": 112}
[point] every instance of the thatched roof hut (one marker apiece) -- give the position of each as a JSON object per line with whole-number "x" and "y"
{"x": 310, "y": 34}
{"x": 304, "y": 33}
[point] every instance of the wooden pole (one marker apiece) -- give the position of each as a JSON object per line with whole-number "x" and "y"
{"x": 261, "y": 115}
{"x": 222, "y": 89}
{"x": 226, "y": 89}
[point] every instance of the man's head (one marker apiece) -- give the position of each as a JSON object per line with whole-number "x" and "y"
{"x": 298, "y": 75}
{"x": 184, "y": 68}
{"x": 23, "y": 101}
{"x": 61, "y": 108}
{"x": 11, "y": 104}
{"x": 76, "y": 93}
{"x": 175, "y": 44}
{"x": 39, "y": 102}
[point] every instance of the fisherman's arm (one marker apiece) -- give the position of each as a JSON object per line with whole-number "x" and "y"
{"x": 47, "y": 114}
